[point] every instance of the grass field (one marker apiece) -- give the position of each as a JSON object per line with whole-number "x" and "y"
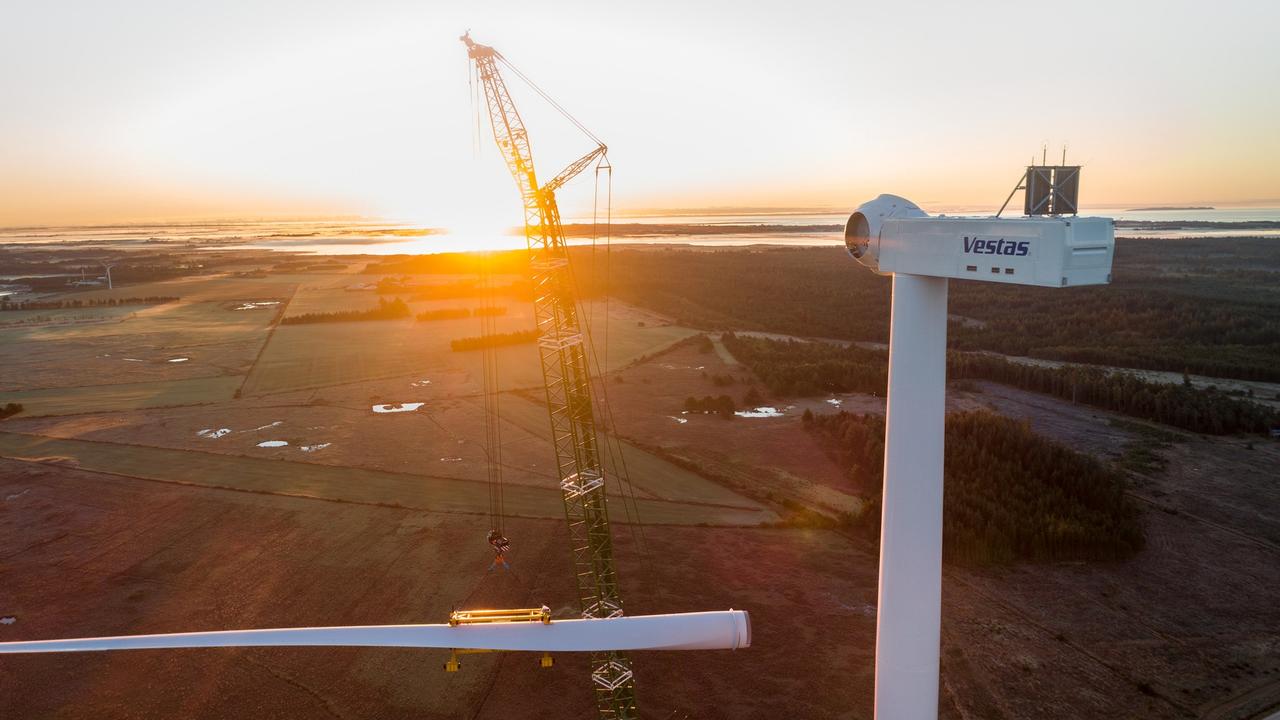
{"x": 17, "y": 319}
{"x": 215, "y": 338}
{"x": 647, "y": 471}
{"x": 326, "y": 354}
{"x": 198, "y": 288}
{"x": 149, "y": 356}
{"x": 123, "y": 396}
{"x": 328, "y": 292}
{"x": 354, "y": 485}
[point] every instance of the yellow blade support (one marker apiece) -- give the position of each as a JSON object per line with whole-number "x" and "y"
{"x": 476, "y": 617}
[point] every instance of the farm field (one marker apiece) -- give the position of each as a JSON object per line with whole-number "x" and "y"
{"x": 205, "y": 288}
{"x": 353, "y": 485}
{"x": 651, "y": 474}
{"x": 173, "y": 341}
{"x": 124, "y": 396}
{"x": 183, "y": 352}
{"x": 438, "y": 439}
{"x": 25, "y": 319}
{"x": 326, "y": 354}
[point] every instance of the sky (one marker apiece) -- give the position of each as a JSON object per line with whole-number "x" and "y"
{"x": 142, "y": 110}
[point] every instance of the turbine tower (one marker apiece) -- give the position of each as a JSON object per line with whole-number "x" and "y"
{"x": 107, "y": 267}
{"x": 893, "y": 236}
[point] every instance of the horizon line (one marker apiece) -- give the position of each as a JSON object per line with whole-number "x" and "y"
{"x": 641, "y": 212}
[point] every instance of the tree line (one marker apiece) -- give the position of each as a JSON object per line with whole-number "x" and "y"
{"x": 1201, "y": 410}
{"x": 722, "y": 405}
{"x": 386, "y": 310}
{"x": 812, "y": 368}
{"x": 1008, "y": 494}
{"x": 6, "y": 304}
{"x": 460, "y": 312}
{"x": 443, "y": 314}
{"x": 479, "y": 342}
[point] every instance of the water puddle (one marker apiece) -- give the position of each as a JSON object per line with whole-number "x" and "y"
{"x": 679, "y": 419}
{"x": 313, "y": 448}
{"x": 256, "y": 305}
{"x": 397, "y": 407}
{"x": 272, "y": 443}
{"x": 264, "y": 427}
{"x": 213, "y": 434}
{"x": 760, "y": 412}
{"x": 179, "y": 359}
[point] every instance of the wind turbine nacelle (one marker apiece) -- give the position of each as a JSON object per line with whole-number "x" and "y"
{"x": 893, "y": 235}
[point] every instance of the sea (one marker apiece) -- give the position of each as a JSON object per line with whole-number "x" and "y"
{"x": 389, "y": 237}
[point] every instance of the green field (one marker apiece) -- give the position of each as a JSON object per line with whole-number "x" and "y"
{"x": 647, "y": 471}
{"x": 120, "y": 360}
{"x": 125, "y": 396}
{"x": 326, "y": 354}
{"x": 324, "y": 293}
{"x": 27, "y": 319}
{"x": 354, "y": 485}
{"x": 202, "y": 289}
{"x": 144, "y": 356}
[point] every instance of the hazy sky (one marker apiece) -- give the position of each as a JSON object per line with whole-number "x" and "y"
{"x": 131, "y": 110}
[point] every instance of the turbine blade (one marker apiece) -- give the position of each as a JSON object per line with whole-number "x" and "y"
{"x": 721, "y": 630}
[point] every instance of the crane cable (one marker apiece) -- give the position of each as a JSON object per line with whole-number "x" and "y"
{"x": 487, "y": 313}
{"x": 568, "y": 116}
{"x": 492, "y": 394}
{"x": 613, "y": 450}
{"x": 605, "y": 413}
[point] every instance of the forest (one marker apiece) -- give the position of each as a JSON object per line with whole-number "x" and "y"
{"x": 794, "y": 367}
{"x": 1009, "y": 494}
{"x": 386, "y": 310}
{"x": 791, "y": 367}
{"x": 1203, "y": 306}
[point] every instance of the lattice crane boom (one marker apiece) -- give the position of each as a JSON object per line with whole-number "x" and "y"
{"x": 563, "y": 353}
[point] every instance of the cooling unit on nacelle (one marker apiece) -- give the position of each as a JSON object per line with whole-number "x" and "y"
{"x": 893, "y": 235}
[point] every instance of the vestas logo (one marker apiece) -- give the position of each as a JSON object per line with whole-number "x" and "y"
{"x": 974, "y": 246}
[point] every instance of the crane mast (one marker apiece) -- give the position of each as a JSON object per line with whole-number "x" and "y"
{"x": 566, "y": 377}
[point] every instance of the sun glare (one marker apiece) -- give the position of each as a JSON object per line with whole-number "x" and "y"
{"x": 482, "y": 232}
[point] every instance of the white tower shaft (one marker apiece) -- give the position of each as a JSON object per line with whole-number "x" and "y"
{"x": 909, "y": 616}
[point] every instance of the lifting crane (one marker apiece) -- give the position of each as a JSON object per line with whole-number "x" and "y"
{"x": 566, "y": 378}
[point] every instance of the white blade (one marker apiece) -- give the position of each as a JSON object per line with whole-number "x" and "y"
{"x": 720, "y": 630}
